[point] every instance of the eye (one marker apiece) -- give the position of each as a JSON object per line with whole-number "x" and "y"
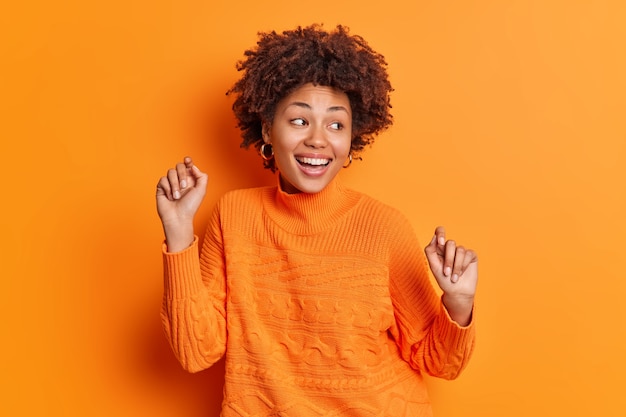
{"x": 336, "y": 125}
{"x": 298, "y": 122}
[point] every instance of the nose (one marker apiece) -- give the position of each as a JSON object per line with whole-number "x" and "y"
{"x": 317, "y": 138}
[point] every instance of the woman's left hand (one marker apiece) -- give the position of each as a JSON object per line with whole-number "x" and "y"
{"x": 456, "y": 270}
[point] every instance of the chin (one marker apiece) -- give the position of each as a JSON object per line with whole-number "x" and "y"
{"x": 313, "y": 190}
{"x": 307, "y": 187}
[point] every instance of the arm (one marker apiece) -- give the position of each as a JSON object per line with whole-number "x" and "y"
{"x": 193, "y": 311}
{"x": 427, "y": 334}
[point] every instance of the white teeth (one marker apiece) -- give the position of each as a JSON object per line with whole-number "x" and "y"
{"x": 314, "y": 161}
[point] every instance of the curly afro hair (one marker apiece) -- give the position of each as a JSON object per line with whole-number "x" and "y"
{"x": 281, "y": 63}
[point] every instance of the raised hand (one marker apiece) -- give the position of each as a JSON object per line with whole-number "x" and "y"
{"x": 178, "y": 196}
{"x": 456, "y": 270}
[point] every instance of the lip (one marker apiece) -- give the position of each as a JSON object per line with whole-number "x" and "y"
{"x": 313, "y": 171}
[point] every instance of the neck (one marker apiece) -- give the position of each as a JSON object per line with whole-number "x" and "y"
{"x": 303, "y": 213}
{"x": 286, "y": 186}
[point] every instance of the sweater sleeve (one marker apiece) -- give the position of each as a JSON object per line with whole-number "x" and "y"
{"x": 193, "y": 310}
{"x": 428, "y": 339}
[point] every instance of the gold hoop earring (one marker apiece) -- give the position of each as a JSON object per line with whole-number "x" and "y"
{"x": 266, "y": 153}
{"x": 349, "y": 161}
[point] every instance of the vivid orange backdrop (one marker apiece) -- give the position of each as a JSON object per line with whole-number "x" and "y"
{"x": 510, "y": 131}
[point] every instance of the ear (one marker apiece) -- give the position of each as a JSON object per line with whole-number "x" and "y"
{"x": 265, "y": 131}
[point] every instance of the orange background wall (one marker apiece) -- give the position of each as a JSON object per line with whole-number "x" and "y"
{"x": 510, "y": 131}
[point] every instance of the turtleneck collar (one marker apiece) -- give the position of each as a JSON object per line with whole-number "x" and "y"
{"x": 307, "y": 214}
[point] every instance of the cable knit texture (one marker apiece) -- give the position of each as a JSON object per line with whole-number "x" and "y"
{"x": 321, "y": 302}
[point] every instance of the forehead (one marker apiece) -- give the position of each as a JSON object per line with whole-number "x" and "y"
{"x": 316, "y": 97}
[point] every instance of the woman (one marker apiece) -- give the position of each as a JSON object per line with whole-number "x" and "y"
{"x": 318, "y": 295}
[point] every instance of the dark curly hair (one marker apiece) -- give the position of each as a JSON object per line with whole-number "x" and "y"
{"x": 281, "y": 63}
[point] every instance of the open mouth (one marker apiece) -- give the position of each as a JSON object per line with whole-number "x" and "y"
{"x": 313, "y": 162}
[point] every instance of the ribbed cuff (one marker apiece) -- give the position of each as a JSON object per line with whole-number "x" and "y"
{"x": 181, "y": 272}
{"x": 454, "y": 335}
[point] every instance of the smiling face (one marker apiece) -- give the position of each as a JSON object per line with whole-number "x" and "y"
{"x": 311, "y": 136}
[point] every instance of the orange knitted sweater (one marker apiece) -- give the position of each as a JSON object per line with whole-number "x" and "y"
{"x": 321, "y": 302}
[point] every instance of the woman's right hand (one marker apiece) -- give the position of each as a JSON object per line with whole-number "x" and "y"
{"x": 178, "y": 196}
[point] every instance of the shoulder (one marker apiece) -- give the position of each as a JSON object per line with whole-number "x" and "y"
{"x": 236, "y": 205}
{"x": 378, "y": 211}
{"x": 382, "y": 222}
{"x": 244, "y": 196}
{"x": 240, "y": 210}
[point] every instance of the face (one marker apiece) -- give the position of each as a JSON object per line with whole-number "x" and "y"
{"x": 311, "y": 136}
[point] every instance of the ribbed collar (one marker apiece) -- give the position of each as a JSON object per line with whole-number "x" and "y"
{"x": 306, "y": 214}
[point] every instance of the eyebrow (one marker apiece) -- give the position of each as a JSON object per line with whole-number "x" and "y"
{"x": 308, "y": 107}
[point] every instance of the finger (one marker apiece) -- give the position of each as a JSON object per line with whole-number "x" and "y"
{"x": 163, "y": 188}
{"x": 470, "y": 258}
{"x": 181, "y": 170}
{"x": 432, "y": 246}
{"x": 459, "y": 263}
{"x": 440, "y": 233}
{"x": 448, "y": 260}
{"x": 433, "y": 257}
{"x": 172, "y": 177}
{"x": 473, "y": 257}
{"x": 189, "y": 169}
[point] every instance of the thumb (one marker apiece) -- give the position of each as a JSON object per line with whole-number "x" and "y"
{"x": 201, "y": 178}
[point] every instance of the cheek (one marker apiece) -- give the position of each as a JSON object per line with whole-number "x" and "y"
{"x": 282, "y": 154}
{"x": 282, "y": 148}
{"x": 344, "y": 146}
{"x": 349, "y": 137}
